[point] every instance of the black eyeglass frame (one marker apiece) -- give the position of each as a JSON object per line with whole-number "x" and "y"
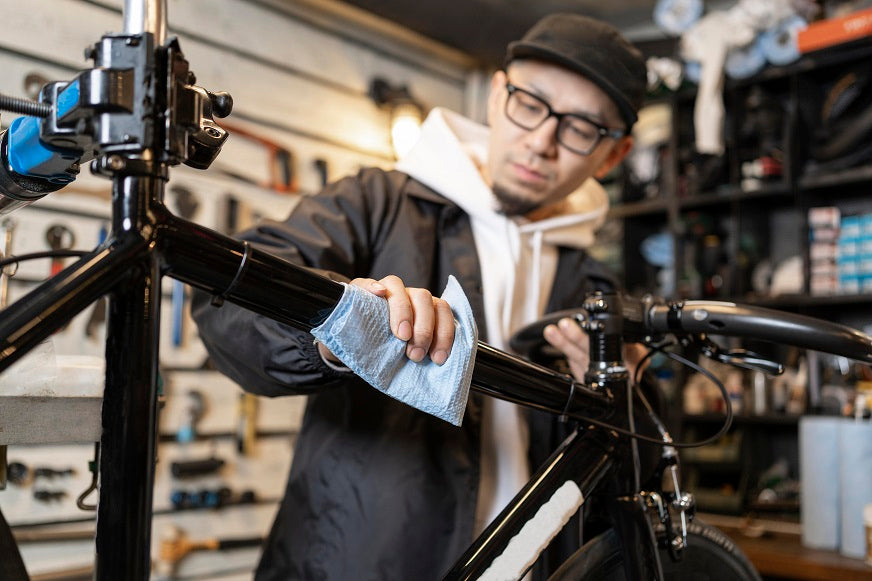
{"x": 602, "y": 130}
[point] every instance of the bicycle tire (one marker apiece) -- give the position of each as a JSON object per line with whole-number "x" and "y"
{"x": 710, "y": 556}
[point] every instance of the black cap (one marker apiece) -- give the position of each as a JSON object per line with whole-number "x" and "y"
{"x": 593, "y": 49}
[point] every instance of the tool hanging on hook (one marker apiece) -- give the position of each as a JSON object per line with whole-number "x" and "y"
{"x": 281, "y": 161}
{"x": 59, "y": 237}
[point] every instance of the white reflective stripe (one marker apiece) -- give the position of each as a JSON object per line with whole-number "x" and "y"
{"x": 535, "y": 535}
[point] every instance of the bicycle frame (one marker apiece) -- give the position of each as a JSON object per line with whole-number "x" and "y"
{"x": 147, "y": 242}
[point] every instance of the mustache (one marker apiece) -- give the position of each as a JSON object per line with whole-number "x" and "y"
{"x": 532, "y": 162}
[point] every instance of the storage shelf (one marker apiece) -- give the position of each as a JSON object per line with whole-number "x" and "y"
{"x": 641, "y": 208}
{"x": 723, "y": 226}
{"x": 775, "y": 191}
{"x": 846, "y": 177}
{"x": 791, "y": 302}
{"x": 816, "y": 61}
{"x": 704, "y": 200}
{"x": 744, "y": 419}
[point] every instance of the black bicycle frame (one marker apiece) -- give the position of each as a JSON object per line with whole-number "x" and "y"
{"x": 148, "y": 242}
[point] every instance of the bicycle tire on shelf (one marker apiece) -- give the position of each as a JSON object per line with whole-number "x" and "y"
{"x": 710, "y": 555}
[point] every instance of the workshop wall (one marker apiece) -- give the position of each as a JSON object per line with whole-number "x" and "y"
{"x": 299, "y": 76}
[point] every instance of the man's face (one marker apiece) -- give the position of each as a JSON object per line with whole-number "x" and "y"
{"x": 529, "y": 170}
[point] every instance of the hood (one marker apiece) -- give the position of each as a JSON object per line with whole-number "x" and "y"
{"x": 460, "y": 146}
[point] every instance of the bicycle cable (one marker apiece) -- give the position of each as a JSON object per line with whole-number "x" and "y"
{"x": 728, "y": 412}
{"x": 60, "y": 253}
{"x": 632, "y": 387}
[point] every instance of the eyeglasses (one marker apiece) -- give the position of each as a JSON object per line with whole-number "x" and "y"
{"x": 574, "y": 132}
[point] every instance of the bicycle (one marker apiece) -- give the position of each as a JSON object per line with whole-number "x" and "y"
{"x": 139, "y": 112}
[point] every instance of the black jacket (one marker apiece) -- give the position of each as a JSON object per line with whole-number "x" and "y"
{"x": 377, "y": 490}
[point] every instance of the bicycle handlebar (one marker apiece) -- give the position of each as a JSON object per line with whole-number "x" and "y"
{"x": 646, "y": 317}
{"x": 750, "y": 322}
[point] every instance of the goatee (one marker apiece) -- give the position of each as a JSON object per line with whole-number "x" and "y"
{"x": 510, "y": 204}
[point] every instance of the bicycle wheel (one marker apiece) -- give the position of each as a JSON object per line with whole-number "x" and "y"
{"x": 710, "y": 556}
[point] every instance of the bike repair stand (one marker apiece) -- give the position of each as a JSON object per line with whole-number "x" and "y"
{"x": 139, "y": 110}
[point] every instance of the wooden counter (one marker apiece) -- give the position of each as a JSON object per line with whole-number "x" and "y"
{"x": 781, "y": 555}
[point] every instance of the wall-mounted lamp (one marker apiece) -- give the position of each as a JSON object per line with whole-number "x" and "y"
{"x": 406, "y": 113}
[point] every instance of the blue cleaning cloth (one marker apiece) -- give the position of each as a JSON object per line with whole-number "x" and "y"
{"x": 358, "y": 333}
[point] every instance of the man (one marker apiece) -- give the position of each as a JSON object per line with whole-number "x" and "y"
{"x": 379, "y": 490}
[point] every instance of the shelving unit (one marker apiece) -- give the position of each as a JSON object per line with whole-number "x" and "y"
{"x": 722, "y": 228}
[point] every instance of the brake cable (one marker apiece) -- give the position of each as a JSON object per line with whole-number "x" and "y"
{"x": 728, "y": 420}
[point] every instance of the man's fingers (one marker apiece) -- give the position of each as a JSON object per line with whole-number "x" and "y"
{"x": 443, "y": 336}
{"x": 370, "y": 284}
{"x": 568, "y": 337}
{"x": 424, "y": 323}
{"x": 573, "y": 342}
{"x": 402, "y": 315}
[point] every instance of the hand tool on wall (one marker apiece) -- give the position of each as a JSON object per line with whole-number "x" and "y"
{"x": 210, "y": 498}
{"x": 17, "y": 473}
{"x": 93, "y": 469}
{"x": 48, "y": 494}
{"x": 246, "y": 432}
{"x": 21, "y": 474}
{"x": 321, "y": 168}
{"x": 7, "y": 228}
{"x": 185, "y": 201}
{"x": 59, "y": 237}
{"x": 195, "y": 407}
{"x": 231, "y": 217}
{"x": 178, "y": 313}
{"x": 33, "y": 84}
{"x": 186, "y": 205}
{"x": 175, "y": 546}
{"x": 193, "y": 468}
{"x": 51, "y": 473}
{"x": 281, "y": 160}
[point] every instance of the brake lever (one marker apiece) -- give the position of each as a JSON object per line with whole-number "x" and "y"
{"x": 739, "y": 358}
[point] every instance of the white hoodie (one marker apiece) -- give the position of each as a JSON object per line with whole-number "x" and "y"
{"x": 518, "y": 263}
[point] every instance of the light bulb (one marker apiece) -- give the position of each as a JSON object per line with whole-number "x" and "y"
{"x": 405, "y": 127}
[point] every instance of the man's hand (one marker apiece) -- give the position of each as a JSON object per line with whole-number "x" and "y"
{"x": 570, "y": 338}
{"x": 425, "y": 322}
